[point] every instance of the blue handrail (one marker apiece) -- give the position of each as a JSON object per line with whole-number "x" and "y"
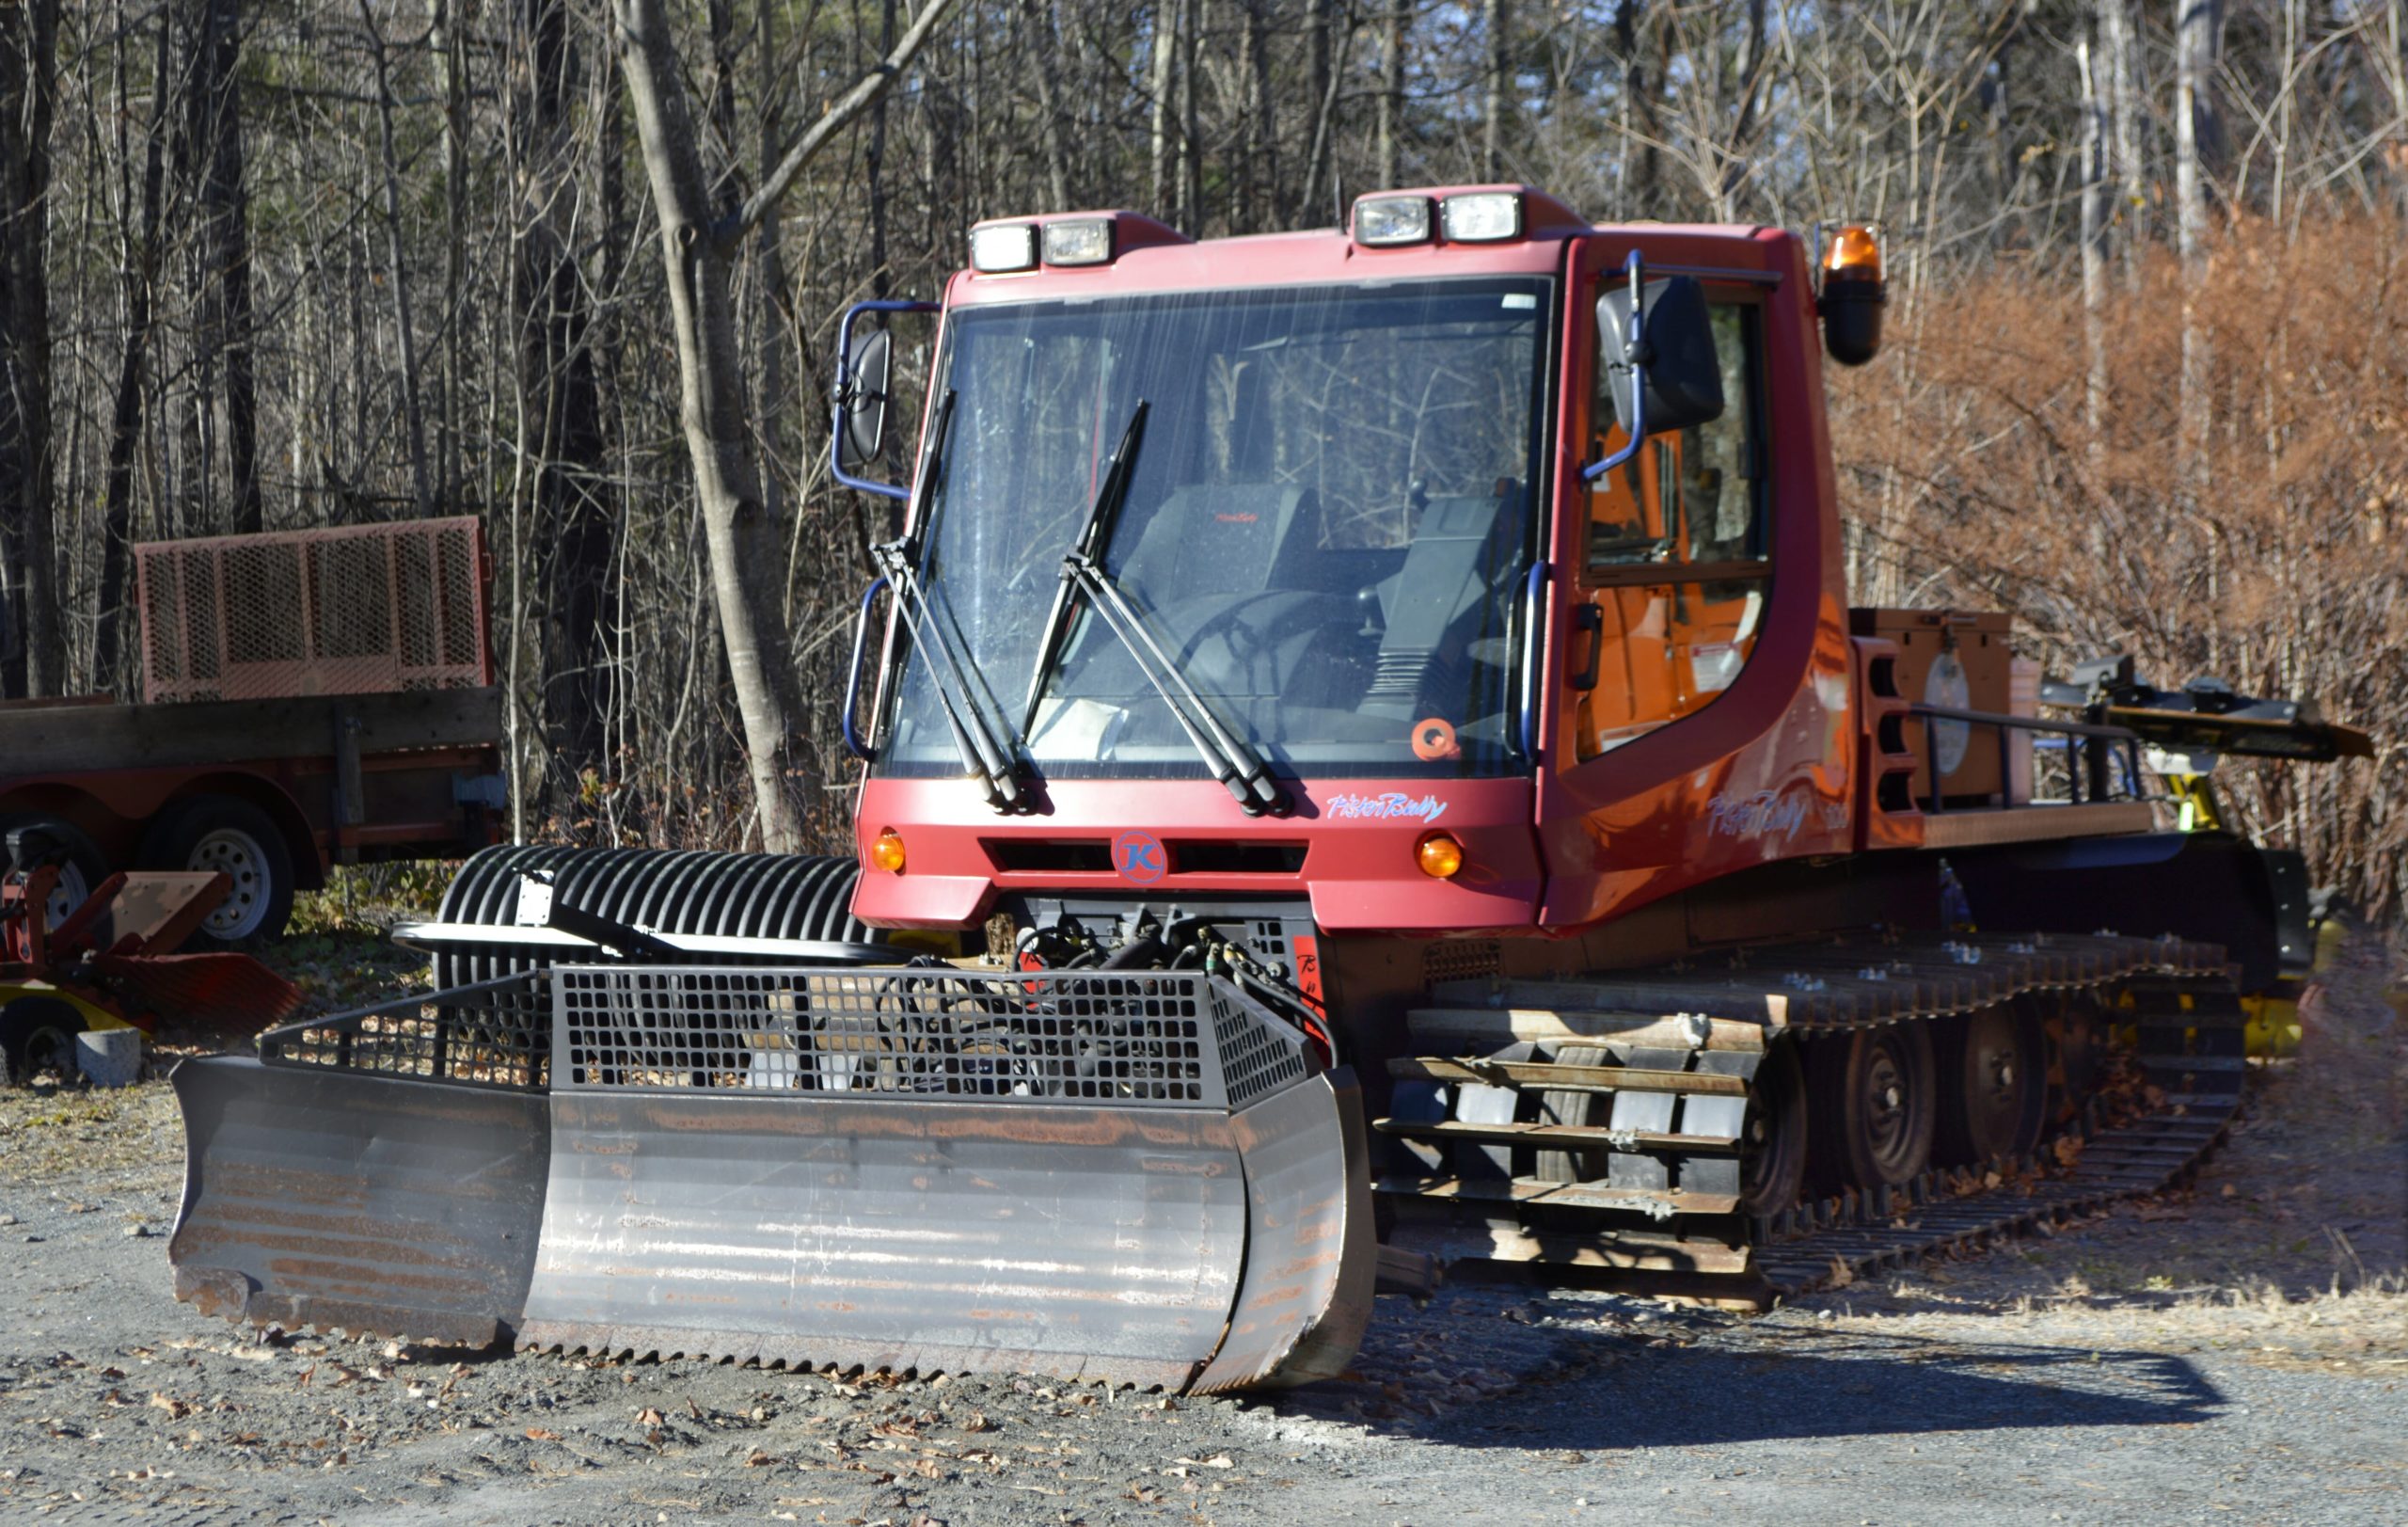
{"x": 844, "y": 385}
{"x": 853, "y": 743}
{"x": 1534, "y": 606}
{"x": 1636, "y": 269}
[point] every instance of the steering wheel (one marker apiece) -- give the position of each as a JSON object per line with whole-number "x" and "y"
{"x": 1246, "y": 642}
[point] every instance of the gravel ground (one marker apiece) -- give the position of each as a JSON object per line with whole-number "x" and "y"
{"x": 2238, "y": 1349}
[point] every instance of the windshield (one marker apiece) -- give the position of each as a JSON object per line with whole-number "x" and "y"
{"x": 1325, "y": 531}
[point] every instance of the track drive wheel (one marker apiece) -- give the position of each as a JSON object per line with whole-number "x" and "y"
{"x": 37, "y": 1034}
{"x": 1773, "y": 1138}
{"x": 1993, "y": 1089}
{"x": 1873, "y": 1107}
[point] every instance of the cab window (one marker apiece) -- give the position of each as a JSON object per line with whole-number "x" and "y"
{"x": 1678, "y": 570}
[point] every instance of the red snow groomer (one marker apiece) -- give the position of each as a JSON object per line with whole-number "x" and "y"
{"x": 1369, "y": 763}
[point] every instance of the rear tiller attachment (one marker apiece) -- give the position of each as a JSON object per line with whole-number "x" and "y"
{"x": 1138, "y": 1177}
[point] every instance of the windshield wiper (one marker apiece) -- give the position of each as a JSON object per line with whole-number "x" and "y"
{"x": 985, "y": 756}
{"x": 1232, "y": 760}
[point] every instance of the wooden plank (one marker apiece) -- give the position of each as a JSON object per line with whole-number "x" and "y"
{"x": 1559, "y": 1195}
{"x": 1412, "y": 1272}
{"x": 1651, "y": 993}
{"x": 1493, "y": 1028}
{"x": 1501, "y": 1241}
{"x": 2035, "y": 824}
{"x": 1575, "y": 1137}
{"x": 1565, "y": 1078}
{"x": 84, "y": 739}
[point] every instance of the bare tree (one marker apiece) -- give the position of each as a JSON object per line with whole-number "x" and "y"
{"x": 699, "y": 245}
{"x": 34, "y": 647}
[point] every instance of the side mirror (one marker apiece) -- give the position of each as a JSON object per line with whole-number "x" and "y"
{"x": 864, "y": 407}
{"x": 1674, "y": 359}
{"x": 864, "y": 399}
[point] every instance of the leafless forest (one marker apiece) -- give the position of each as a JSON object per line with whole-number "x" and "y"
{"x": 573, "y": 265}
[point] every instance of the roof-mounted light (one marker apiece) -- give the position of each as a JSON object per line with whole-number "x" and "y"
{"x": 1385, "y": 222}
{"x": 1852, "y": 296}
{"x": 1079, "y": 241}
{"x": 1481, "y": 216}
{"x": 995, "y": 248}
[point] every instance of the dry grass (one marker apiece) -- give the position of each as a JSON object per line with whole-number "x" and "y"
{"x": 1969, "y": 474}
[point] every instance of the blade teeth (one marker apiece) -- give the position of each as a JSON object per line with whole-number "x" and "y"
{"x": 795, "y": 1361}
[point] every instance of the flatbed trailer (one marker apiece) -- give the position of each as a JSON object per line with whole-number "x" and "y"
{"x": 311, "y": 698}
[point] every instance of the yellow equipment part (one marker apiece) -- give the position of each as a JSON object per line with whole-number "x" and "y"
{"x": 95, "y": 1017}
{"x": 2273, "y": 1020}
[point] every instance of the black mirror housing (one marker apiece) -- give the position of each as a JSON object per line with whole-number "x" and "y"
{"x": 1676, "y": 346}
{"x": 868, "y": 368}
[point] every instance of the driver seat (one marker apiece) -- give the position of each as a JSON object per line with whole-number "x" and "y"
{"x": 1217, "y": 540}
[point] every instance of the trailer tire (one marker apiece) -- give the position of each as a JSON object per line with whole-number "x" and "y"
{"x": 84, "y": 868}
{"x": 38, "y": 1031}
{"x": 219, "y": 831}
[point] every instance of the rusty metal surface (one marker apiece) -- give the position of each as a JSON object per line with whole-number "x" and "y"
{"x": 1311, "y": 1255}
{"x": 334, "y": 1198}
{"x": 352, "y": 610}
{"x": 818, "y": 1229}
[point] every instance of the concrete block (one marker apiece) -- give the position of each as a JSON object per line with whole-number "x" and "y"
{"x": 110, "y": 1057}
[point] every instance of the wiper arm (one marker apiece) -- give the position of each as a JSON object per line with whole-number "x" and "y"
{"x": 985, "y": 756}
{"x": 1233, "y": 761}
{"x": 1104, "y": 515}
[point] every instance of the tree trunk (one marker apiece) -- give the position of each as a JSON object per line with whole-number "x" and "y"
{"x": 125, "y": 418}
{"x": 1498, "y": 18}
{"x": 2198, "y": 141}
{"x": 1391, "y": 119}
{"x": 2124, "y": 105}
{"x": 216, "y": 133}
{"x": 33, "y": 641}
{"x": 451, "y": 42}
{"x": 2094, "y": 248}
{"x": 699, "y": 252}
{"x": 573, "y": 519}
{"x": 405, "y": 324}
{"x": 1166, "y": 26}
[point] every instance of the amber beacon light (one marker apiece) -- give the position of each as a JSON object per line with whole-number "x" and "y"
{"x": 887, "y": 852}
{"x": 1852, "y": 296}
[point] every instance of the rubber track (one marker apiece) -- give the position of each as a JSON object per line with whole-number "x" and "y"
{"x": 2191, "y": 1030}
{"x": 2130, "y": 1161}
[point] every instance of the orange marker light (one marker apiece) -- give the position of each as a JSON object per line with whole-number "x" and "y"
{"x": 887, "y": 852}
{"x": 1854, "y": 255}
{"x": 1439, "y": 855}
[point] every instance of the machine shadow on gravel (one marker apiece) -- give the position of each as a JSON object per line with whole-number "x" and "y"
{"x": 1614, "y": 1392}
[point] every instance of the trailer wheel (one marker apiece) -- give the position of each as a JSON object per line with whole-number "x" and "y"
{"x": 39, "y": 1033}
{"x": 219, "y": 831}
{"x": 83, "y": 868}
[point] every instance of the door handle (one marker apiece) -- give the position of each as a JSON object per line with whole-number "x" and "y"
{"x": 1588, "y": 618}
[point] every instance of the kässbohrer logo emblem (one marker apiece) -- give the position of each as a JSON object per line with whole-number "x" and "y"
{"x": 1140, "y": 857}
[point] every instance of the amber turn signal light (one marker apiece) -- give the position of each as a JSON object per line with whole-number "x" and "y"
{"x": 1439, "y": 855}
{"x": 887, "y": 852}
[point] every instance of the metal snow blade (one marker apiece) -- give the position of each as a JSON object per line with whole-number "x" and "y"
{"x": 1133, "y": 1176}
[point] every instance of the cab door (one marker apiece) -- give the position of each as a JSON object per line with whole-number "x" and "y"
{"x": 1695, "y": 612}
